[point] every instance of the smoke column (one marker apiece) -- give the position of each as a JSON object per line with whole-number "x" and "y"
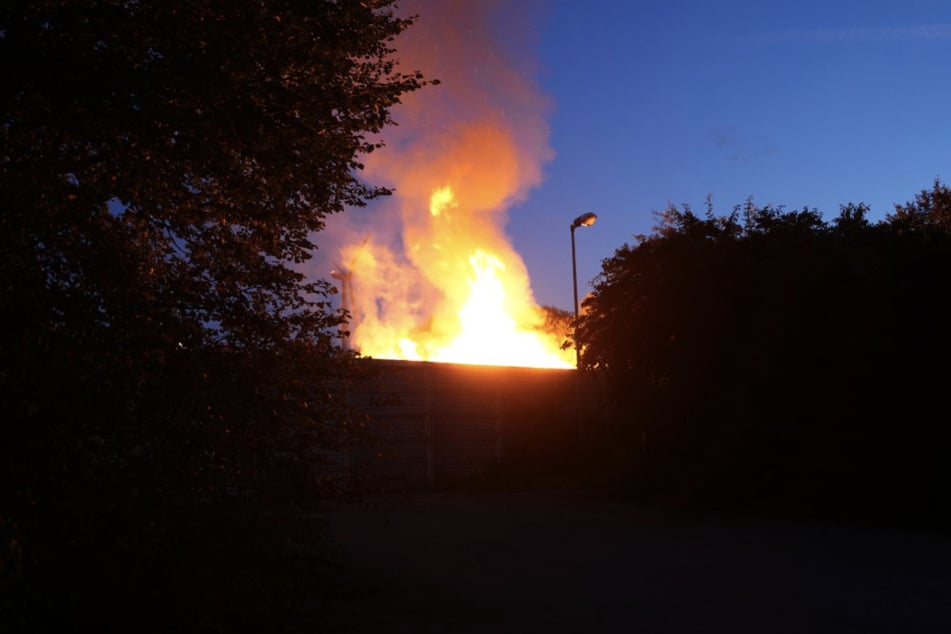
{"x": 463, "y": 153}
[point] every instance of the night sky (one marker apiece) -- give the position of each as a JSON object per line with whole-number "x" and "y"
{"x": 813, "y": 103}
{"x": 809, "y": 103}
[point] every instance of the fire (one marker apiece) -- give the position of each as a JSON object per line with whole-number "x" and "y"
{"x": 480, "y": 320}
{"x": 489, "y": 335}
{"x": 441, "y": 198}
{"x": 430, "y": 274}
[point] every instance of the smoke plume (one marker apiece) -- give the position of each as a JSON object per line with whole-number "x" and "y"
{"x": 463, "y": 153}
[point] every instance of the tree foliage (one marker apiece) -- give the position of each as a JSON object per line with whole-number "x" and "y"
{"x": 929, "y": 211}
{"x": 557, "y": 323}
{"x": 166, "y": 163}
{"x": 163, "y": 169}
{"x": 770, "y": 358}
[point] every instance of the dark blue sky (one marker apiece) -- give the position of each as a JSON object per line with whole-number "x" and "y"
{"x": 797, "y": 104}
{"x": 552, "y": 108}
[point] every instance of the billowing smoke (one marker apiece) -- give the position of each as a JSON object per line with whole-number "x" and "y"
{"x": 464, "y": 152}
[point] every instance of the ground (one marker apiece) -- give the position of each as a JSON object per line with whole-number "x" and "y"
{"x": 560, "y": 560}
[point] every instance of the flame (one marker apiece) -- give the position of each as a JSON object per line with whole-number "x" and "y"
{"x": 489, "y": 335}
{"x": 481, "y": 320}
{"x": 441, "y": 198}
{"x": 434, "y": 276}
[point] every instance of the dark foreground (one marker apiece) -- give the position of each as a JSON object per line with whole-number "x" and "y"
{"x": 557, "y": 561}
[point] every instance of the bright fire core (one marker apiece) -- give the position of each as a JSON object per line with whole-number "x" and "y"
{"x": 484, "y": 312}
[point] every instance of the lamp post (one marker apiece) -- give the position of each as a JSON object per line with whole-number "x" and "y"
{"x": 584, "y": 220}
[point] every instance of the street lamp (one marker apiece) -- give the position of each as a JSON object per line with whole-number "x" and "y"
{"x": 584, "y": 220}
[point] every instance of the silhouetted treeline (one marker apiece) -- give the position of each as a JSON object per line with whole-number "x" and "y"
{"x": 769, "y": 360}
{"x": 165, "y": 364}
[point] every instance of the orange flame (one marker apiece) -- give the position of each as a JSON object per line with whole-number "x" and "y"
{"x": 489, "y": 335}
{"x": 482, "y": 318}
{"x": 450, "y": 287}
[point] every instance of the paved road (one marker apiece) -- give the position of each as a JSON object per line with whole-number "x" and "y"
{"x": 561, "y": 562}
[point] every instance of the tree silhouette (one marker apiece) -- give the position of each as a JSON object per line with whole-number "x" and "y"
{"x": 164, "y": 167}
{"x": 766, "y": 358}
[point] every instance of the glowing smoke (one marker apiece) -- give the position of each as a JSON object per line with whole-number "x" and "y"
{"x": 465, "y": 151}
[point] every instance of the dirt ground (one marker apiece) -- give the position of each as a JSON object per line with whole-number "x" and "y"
{"x": 562, "y": 561}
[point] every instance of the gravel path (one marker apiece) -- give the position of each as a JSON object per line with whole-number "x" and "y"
{"x": 562, "y": 562}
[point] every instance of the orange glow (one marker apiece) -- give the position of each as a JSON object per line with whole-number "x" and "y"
{"x": 441, "y": 198}
{"x": 434, "y": 277}
{"x": 489, "y": 335}
{"x": 486, "y": 315}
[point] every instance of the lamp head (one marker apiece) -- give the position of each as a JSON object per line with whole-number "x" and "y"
{"x": 584, "y": 220}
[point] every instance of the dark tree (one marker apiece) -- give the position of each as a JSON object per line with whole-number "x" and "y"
{"x": 163, "y": 168}
{"x": 165, "y": 164}
{"x": 768, "y": 359}
{"x": 931, "y": 209}
{"x": 558, "y": 323}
